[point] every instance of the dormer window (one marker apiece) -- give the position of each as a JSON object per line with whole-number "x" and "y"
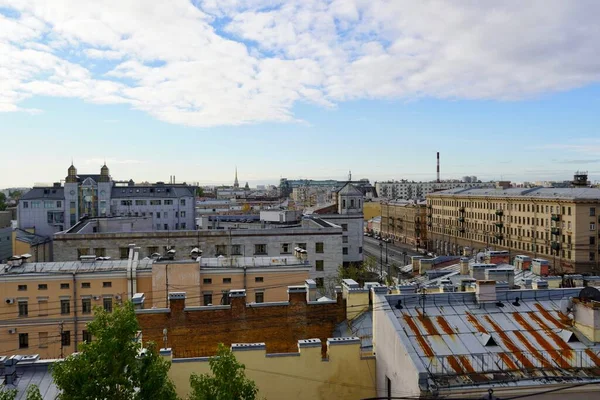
{"x": 351, "y": 203}
{"x": 343, "y": 203}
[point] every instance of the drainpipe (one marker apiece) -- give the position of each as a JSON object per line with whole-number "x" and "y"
{"x": 134, "y": 265}
{"x": 75, "y": 308}
{"x": 167, "y": 285}
{"x": 244, "y": 277}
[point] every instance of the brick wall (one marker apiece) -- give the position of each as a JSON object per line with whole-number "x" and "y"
{"x": 196, "y": 332}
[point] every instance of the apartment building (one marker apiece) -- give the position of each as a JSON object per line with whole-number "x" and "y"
{"x": 411, "y": 190}
{"x": 404, "y": 222}
{"x": 45, "y": 306}
{"x": 559, "y": 224}
{"x": 47, "y": 210}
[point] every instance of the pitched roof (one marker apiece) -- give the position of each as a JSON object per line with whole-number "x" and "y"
{"x": 31, "y": 238}
{"x": 45, "y": 193}
{"x": 349, "y": 190}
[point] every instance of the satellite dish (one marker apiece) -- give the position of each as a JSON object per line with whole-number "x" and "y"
{"x": 589, "y": 294}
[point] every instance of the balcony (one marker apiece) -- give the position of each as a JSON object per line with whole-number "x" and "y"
{"x": 555, "y": 246}
{"x": 499, "y": 213}
{"x": 461, "y": 219}
{"x": 499, "y": 236}
{"x": 461, "y": 209}
{"x": 499, "y": 225}
{"x": 555, "y": 231}
{"x": 555, "y": 217}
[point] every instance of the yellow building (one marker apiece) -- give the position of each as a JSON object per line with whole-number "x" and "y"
{"x": 26, "y": 242}
{"x": 559, "y": 224}
{"x": 404, "y": 222}
{"x": 371, "y": 209}
{"x": 45, "y": 306}
{"x": 345, "y": 373}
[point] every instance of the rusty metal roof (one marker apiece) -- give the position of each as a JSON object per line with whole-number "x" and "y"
{"x": 460, "y": 342}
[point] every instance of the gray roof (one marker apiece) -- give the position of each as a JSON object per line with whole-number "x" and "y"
{"x": 575, "y": 193}
{"x": 361, "y": 326}
{"x": 31, "y": 238}
{"x": 45, "y": 193}
{"x": 350, "y": 189}
{"x": 460, "y": 343}
{"x": 68, "y": 267}
{"x": 158, "y": 191}
{"x": 35, "y": 373}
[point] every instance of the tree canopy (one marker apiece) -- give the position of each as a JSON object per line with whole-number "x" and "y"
{"x": 114, "y": 366}
{"x": 33, "y": 393}
{"x": 227, "y": 382}
{"x": 2, "y": 201}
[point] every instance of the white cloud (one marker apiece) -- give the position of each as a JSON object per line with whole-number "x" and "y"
{"x": 171, "y": 59}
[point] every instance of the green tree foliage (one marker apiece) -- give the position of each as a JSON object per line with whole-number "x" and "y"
{"x": 16, "y": 195}
{"x": 2, "y": 202}
{"x": 113, "y": 366}
{"x": 199, "y": 192}
{"x": 33, "y": 393}
{"x": 228, "y": 380}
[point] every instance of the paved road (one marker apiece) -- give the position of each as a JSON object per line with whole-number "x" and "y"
{"x": 394, "y": 252}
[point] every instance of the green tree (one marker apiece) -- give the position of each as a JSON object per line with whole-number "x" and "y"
{"x": 15, "y": 195}
{"x": 2, "y": 201}
{"x": 199, "y": 191}
{"x": 33, "y": 393}
{"x": 113, "y": 365}
{"x": 228, "y": 380}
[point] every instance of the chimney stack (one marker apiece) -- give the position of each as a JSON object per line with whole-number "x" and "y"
{"x": 438, "y": 167}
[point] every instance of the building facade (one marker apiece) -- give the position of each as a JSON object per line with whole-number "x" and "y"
{"x": 560, "y": 224}
{"x": 46, "y": 306}
{"x": 322, "y": 242}
{"x": 48, "y": 210}
{"x": 410, "y": 190}
{"x": 404, "y": 222}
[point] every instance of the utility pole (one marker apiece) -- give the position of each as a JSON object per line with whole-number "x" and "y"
{"x": 61, "y": 325}
{"x": 380, "y": 259}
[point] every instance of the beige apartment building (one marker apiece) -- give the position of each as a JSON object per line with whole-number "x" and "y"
{"x": 45, "y": 306}
{"x": 558, "y": 224}
{"x": 404, "y": 222}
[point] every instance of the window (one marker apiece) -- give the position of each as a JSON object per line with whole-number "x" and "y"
{"x": 226, "y": 280}
{"x": 236, "y": 250}
{"x": 141, "y": 202}
{"x": 259, "y": 279}
{"x": 43, "y": 340}
{"x": 320, "y": 282}
{"x": 43, "y": 307}
{"x": 158, "y": 214}
{"x": 155, "y": 202}
{"x": 65, "y": 307}
{"x": 220, "y": 250}
{"x": 344, "y": 250}
{"x": 126, "y": 202}
{"x": 107, "y": 304}
{"x": 100, "y": 252}
{"x": 65, "y": 338}
{"x": 166, "y": 226}
{"x": 319, "y": 265}
{"x": 35, "y": 204}
{"x": 344, "y": 239}
{"x": 183, "y": 225}
{"x": 152, "y": 250}
{"x": 259, "y": 297}
{"x": 64, "y": 285}
{"x": 182, "y": 214}
{"x": 592, "y": 240}
{"x": 225, "y": 297}
{"x": 207, "y": 281}
{"x": 592, "y": 256}
{"x": 260, "y": 249}
{"x": 86, "y": 336}
{"x": 43, "y": 286}
{"x": 319, "y": 247}
{"x": 182, "y": 202}
{"x": 302, "y": 246}
{"x": 165, "y": 214}
{"x": 82, "y": 252}
{"x": 85, "y": 285}
{"x": 343, "y": 203}
{"x": 23, "y": 309}
{"x": 25, "y": 204}
{"x": 86, "y": 306}
{"x": 22, "y": 288}
{"x": 285, "y": 248}
{"x": 345, "y": 227}
{"x": 106, "y": 284}
{"x": 176, "y": 214}
{"x": 23, "y": 340}
{"x": 592, "y": 211}
{"x": 592, "y": 226}
{"x": 207, "y": 298}
{"x": 124, "y": 253}
{"x": 360, "y": 250}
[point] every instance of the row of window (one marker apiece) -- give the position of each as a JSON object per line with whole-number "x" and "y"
{"x": 65, "y": 306}
{"x": 44, "y": 286}
{"x": 207, "y": 297}
{"x": 45, "y": 203}
{"x": 517, "y": 207}
{"x": 159, "y": 202}
{"x": 65, "y": 339}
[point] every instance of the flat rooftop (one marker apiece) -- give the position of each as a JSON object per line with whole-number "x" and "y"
{"x": 575, "y": 193}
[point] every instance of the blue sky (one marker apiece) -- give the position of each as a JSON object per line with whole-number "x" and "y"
{"x": 297, "y": 90}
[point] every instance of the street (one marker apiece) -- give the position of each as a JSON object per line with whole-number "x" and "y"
{"x": 394, "y": 252}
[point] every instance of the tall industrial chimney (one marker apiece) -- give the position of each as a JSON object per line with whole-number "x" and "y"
{"x": 438, "y": 167}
